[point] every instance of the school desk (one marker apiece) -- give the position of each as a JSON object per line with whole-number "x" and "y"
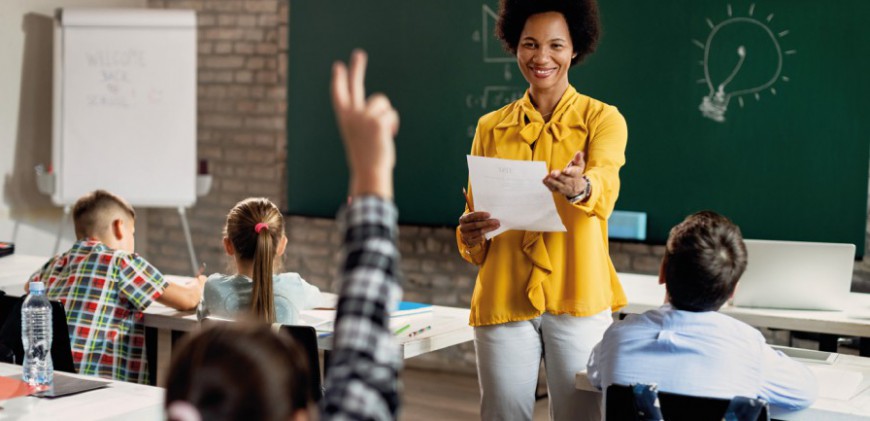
{"x": 16, "y": 269}
{"x": 644, "y": 293}
{"x": 449, "y": 324}
{"x": 449, "y": 327}
{"x": 120, "y": 400}
{"x": 832, "y": 404}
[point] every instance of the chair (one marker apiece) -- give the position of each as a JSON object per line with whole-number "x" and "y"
{"x": 306, "y": 337}
{"x": 10, "y": 334}
{"x": 645, "y": 403}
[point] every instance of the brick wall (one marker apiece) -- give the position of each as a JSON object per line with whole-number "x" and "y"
{"x": 242, "y": 67}
{"x": 242, "y": 100}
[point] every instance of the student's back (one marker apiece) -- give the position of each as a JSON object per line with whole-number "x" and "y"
{"x": 254, "y": 239}
{"x": 687, "y": 346}
{"x": 231, "y": 296}
{"x": 104, "y": 292}
{"x": 699, "y": 354}
{"x": 104, "y": 287}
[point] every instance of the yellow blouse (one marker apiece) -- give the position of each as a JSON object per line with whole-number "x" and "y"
{"x": 523, "y": 274}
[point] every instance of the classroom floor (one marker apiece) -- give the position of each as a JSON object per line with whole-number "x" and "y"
{"x": 433, "y": 395}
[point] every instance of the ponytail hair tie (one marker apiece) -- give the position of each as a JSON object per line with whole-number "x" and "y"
{"x": 182, "y": 411}
{"x": 261, "y": 226}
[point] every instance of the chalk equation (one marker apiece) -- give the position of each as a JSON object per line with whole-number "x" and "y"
{"x": 494, "y": 97}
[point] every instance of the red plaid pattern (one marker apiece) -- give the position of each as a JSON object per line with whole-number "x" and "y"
{"x": 104, "y": 292}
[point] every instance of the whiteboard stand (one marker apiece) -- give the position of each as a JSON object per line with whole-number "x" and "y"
{"x": 63, "y": 219}
{"x": 184, "y": 225}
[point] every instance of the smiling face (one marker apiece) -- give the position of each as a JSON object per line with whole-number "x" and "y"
{"x": 544, "y": 53}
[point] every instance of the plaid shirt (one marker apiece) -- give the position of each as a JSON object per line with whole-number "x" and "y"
{"x": 365, "y": 362}
{"x": 104, "y": 292}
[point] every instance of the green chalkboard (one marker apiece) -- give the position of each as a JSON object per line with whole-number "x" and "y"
{"x": 782, "y": 148}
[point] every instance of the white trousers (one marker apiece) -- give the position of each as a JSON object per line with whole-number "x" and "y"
{"x": 509, "y": 358}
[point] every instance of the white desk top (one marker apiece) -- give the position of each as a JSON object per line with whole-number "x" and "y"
{"x": 449, "y": 327}
{"x": 16, "y": 269}
{"x": 855, "y": 408}
{"x": 644, "y": 293}
{"x": 121, "y": 400}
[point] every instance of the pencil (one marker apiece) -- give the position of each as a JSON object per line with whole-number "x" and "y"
{"x": 415, "y": 333}
{"x": 467, "y": 200}
{"x": 402, "y": 329}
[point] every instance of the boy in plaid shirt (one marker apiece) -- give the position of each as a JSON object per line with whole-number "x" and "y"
{"x": 104, "y": 287}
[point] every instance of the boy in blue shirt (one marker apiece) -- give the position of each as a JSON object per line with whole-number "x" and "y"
{"x": 687, "y": 346}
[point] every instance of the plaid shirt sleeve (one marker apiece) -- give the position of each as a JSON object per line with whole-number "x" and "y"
{"x": 44, "y": 270}
{"x": 139, "y": 282}
{"x": 363, "y": 373}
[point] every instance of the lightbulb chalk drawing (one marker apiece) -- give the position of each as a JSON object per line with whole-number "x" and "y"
{"x": 720, "y": 45}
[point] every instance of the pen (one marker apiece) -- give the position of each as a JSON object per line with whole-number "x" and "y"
{"x": 415, "y": 333}
{"x": 467, "y": 200}
{"x": 402, "y": 329}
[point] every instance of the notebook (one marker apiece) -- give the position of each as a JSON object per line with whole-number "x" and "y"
{"x": 407, "y": 308}
{"x": 796, "y": 275}
{"x": 65, "y": 384}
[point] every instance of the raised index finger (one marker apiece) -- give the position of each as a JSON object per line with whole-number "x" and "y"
{"x": 358, "y": 62}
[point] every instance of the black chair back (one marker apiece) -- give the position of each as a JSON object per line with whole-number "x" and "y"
{"x": 306, "y": 338}
{"x": 10, "y": 334}
{"x": 622, "y": 404}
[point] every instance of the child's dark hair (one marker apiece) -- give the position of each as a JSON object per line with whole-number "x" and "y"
{"x": 704, "y": 258}
{"x": 580, "y": 15}
{"x": 255, "y": 227}
{"x": 93, "y": 212}
{"x": 240, "y": 371}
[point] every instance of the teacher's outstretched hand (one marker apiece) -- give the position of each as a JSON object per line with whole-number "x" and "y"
{"x": 570, "y": 181}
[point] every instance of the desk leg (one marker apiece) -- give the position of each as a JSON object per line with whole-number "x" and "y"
{"x": 864, "y": 347}
{"x": 827, "y": 342}
{"x": 164, "y": 355}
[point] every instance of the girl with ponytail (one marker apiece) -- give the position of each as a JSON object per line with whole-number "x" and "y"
{"x": 254, "y": 237}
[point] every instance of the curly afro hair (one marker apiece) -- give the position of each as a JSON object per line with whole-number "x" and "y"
{"x": 581, "y": 16}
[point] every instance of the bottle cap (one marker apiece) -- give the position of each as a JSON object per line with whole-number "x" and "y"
{"x": 37, "y": 287}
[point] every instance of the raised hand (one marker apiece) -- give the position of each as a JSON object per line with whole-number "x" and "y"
{"x": 367, "y": 127}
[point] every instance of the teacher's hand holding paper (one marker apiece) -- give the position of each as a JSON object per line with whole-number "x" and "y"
{"x": 512, "y": 194}
{"x": 474, "y": 226}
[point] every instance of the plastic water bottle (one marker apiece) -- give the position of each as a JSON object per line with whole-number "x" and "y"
{"x": 36, "y": 337}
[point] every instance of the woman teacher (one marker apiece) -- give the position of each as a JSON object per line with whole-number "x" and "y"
{"x": 546, "y": 295}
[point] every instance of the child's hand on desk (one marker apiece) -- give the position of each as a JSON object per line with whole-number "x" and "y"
{"x": 182, "y": 292}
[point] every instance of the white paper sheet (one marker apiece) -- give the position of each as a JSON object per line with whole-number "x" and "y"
{"x": 513, "y": 192}
{"x": 836, "y": 384}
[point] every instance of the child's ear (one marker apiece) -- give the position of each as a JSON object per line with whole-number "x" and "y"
{"x": 228, "y": 247}
{"x": 282, "y": 245}
{"x": 117, "y": 231}
{"x": 662, "y": 271}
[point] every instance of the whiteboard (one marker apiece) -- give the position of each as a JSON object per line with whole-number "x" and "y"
{"x": 125, "y": 105}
